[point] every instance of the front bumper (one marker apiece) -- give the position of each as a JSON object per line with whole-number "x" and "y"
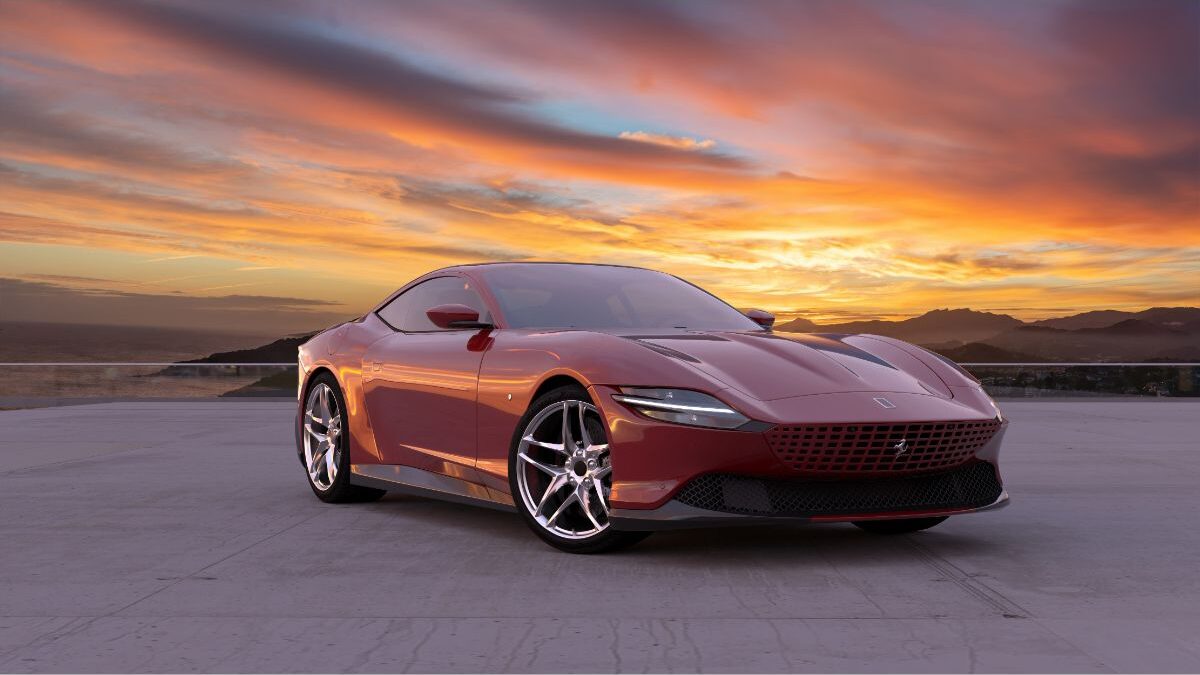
{"x": 656, "y": 465}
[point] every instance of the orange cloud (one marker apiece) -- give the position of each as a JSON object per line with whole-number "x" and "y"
{"x": 681, "y": 142}
{"x": 861, "y": 166}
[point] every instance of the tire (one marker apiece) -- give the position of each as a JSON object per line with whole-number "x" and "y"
{"x": 902, "y": 526}
{"x": 331, "y": 409}
{"x": 579, "y": 503}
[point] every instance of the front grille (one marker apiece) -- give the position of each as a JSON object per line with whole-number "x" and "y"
{"x": 875, "y": 448}
{"x": 971, "y": 486}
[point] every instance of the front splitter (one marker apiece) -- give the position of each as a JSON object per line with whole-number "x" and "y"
{"x": 677, "y": 515}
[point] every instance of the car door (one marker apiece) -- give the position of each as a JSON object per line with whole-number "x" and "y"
{"x": 420, "y": 383}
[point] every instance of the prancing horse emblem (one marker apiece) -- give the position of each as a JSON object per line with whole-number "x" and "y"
{"x": 901, "y": 447}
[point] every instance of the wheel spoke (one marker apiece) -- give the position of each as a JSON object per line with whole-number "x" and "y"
{"x": 571, "y": 499}
{"x": 318, "y": 453}
{"x": 331, "y": 464}
{"x": 555, "y": 485}
{"x": 326, "y": 411}
{"x": 599, "y": 488}
{"x": 557, "y": 447}
{"x": 319, "y": 437}
{"x": 584, "y": 436}
{"x": 552, "y": 471}
{"x": 568, "y": 443}
{"x": 586, "y": 504}
{"x": 314, "y": 466}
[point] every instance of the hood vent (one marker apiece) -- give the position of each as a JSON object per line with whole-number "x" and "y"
{"x": 667, "y": 351}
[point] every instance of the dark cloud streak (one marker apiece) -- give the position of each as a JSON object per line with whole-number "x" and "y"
{"x": 377, "y": 77}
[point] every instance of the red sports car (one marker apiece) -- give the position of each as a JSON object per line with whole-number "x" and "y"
{"x": 604, "y": 402}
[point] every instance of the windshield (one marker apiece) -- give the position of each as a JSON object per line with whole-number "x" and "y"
{"x": 597, "y": 296}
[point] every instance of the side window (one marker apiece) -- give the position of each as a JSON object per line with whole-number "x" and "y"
{"x": 407, "y": 311}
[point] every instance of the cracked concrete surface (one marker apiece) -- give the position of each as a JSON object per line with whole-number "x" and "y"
{"x": 181, "y": 537}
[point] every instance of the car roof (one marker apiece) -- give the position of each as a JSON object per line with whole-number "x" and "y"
{"x": 467, "y": 267}
{"x": 533, "y": 262}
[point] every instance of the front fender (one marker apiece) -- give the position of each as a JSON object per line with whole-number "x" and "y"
{"x": 518, "y": 362}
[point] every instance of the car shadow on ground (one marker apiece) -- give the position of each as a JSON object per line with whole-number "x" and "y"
{"x": 836, "y": 542}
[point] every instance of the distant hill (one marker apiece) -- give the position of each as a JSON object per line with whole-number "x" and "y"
{"x": 1158, "y": 333}
{"x": 282, "y": 350}
{"x": 1133, "y": 327}
{"x": 981, "y": 352}
{"x": 1129, "y": 340}
{"x": 1183, "y": 318}
{"x": 936, "y": 327}
{"x": 1097, "y": 319}
{"x": 798, "y": 325}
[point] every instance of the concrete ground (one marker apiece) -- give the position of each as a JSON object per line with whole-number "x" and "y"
{"x": 182, "y": 537}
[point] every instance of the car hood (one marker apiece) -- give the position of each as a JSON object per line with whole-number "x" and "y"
{"x": 770, "y": 366}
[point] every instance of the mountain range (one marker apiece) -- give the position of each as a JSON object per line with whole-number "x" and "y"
{"x": 965, "y": 335}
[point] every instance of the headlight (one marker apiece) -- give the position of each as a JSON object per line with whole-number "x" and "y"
{"x": 999, "y": 413}
{"x": 681, "y": 406}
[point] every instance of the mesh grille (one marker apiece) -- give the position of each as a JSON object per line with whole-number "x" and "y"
{"x": 972, "y": 486}
{"x": 873, "y": 448}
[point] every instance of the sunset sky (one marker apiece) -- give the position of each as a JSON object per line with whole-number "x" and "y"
{"x": 262, "y": 166}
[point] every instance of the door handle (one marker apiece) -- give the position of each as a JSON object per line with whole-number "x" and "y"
{"x": 376, "y": 366}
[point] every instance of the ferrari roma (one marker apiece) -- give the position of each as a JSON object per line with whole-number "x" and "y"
{"x": 602, "y": 403}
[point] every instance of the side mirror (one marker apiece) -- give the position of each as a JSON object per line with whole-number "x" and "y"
{"x": 764, "y": 319}
{"x": 455, "y": 316}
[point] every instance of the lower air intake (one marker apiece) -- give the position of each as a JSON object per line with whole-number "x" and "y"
{"x": 971, "y": 486}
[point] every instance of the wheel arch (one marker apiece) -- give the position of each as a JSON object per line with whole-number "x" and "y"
{"x": 554, "y": 381}
{"x": 312, "y": 376}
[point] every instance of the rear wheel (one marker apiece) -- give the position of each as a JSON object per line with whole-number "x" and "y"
{"x": 900, "y": 526}
{"x": 561, "y": 476}
{"x": 325, "y": 444}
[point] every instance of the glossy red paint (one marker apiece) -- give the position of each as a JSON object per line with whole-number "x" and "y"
{"x": 452, "y": 316}
{"x": 449, "y": 401}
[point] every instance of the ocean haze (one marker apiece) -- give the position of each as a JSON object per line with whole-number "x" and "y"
{"x": 26, "y": 342}
{"x": 60, "y": 303}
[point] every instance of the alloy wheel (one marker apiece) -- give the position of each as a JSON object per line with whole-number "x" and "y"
{"x": 563, "y": 470}
{"x": 322, "y": 436}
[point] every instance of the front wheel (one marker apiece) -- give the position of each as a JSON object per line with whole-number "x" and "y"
{"x": 325, "y": 445}
{"x": 561, "y": 476}
{"x": 900, "y": 526}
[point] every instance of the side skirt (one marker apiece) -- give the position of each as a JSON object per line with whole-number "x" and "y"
{"x": 421, "y": 483}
